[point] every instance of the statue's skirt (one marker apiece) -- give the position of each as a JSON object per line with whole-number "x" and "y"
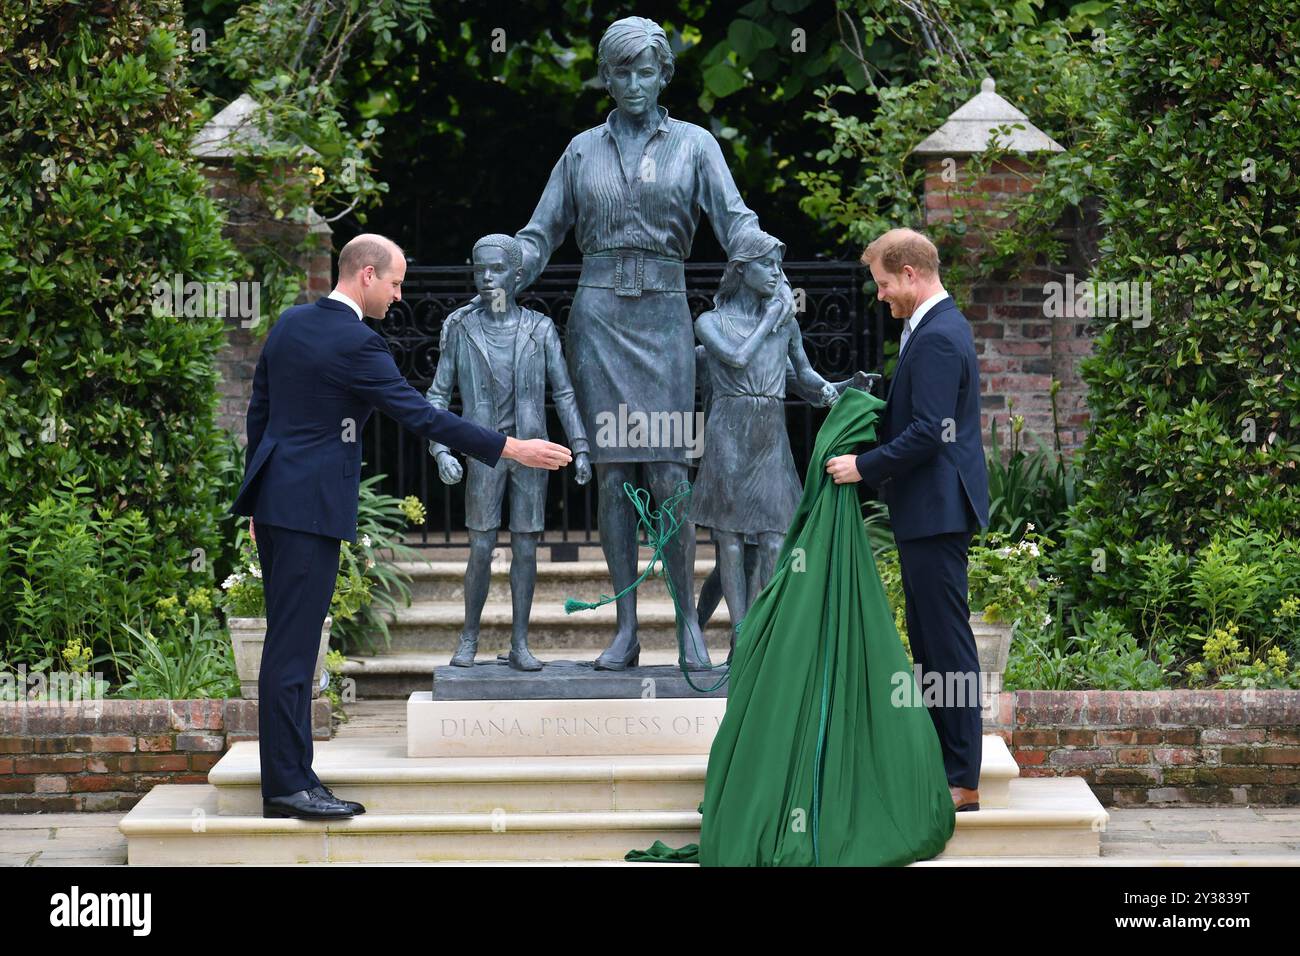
{"x": 632, "y": 362}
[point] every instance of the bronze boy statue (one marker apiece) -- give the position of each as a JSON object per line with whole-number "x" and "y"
{"x": 501, "y": 356}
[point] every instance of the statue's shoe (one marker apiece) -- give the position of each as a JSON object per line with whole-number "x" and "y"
{"x": 619, "y": 662}
{"x": 522, "y": 659}
{"x": 464, "y": 656}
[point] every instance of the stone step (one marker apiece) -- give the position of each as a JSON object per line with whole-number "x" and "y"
{"x": 1049, "y": 817}
{"x": 550, "y": 551}
{"x": 426, "y": 628}
{"x": 376, "y": 772}
{"x": 443, "y": 581}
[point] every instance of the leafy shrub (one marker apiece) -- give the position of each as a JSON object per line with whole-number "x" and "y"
{"x": 74, "y": 572}
{"x": 99, "y": 200}
{"x": 1100, "y": 655}
{"x": 200, "y": 663}
{"x": 1029, "y": 488}
{"x": 1194, "y": 412}
{"x": 1058, "y": 72}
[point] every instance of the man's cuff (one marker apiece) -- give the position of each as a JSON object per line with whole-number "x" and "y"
{"x": 866, "y": 463}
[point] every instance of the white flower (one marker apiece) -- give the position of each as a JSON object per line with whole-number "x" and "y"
{"x": 1002, "y": 552}
{"x": 1029, "y": 527}
{"x": 1047, "y": 620}
{"x": 231, "y": 581}
{"x": 365, "y": 540}
{"x": 1033, "y": 549}
{"x": 369, "y": 564}
{"x": 255, "y": 571}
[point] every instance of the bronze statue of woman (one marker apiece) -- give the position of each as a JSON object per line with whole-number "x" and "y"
{"x": 632, "y": 190}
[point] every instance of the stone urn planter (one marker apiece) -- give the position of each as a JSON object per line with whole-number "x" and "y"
{"x": 993, "y": 642}
{"x": 247, "y": 634}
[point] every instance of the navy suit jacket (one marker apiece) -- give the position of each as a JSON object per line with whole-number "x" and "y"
{"x": 929, "y": 466}
{"x": 321, "y": 374}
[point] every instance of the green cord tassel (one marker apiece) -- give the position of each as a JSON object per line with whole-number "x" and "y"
{"x": 659, "y": 531}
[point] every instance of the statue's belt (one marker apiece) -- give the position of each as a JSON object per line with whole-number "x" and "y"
{"x": 632, "y": 272}
{"x": 738, "y": 394}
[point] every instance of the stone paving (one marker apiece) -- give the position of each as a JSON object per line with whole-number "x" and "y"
{"x": 1267, "y": 836}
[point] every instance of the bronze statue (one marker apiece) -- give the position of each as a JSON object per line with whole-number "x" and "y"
{"x": 502, "y": 356}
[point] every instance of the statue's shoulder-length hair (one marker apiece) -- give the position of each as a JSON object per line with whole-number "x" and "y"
{"x": 729, "y": 284}
{"x": 625, "y": 40}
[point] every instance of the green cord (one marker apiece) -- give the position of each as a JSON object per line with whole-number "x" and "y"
{"x": 659, "y": 531}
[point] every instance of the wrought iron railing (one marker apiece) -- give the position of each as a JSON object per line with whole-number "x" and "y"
{"x": 843, "y": 331}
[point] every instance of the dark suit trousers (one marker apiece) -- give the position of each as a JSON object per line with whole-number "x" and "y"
{"x": 938, "y": 630}
{"x": 299, "y": 570}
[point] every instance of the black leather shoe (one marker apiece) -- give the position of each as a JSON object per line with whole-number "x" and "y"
{"x": 326, "y": 792}
{"x": 304, "y": 805}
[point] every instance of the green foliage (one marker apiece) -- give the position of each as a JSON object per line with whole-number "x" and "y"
{"x": 306, "y": 154}
{"x": 243, "y": 586}
{"x": 891, "y": 579}
{"x": 334, "y": 661}
{"x": 1053, "y": 72}
{"x": 1194, "y": 414}
{"x": 1029, "y": 489}
{"x": 1008, "y": 581}
{"x": 1225, "y": 615}
{"x": 1100, "y": 655}
{"x": 199, "y": 663}
{"x": 1228, "y": 664}
{"x": 99, "y": 200}
{"x": 77, "y": 573}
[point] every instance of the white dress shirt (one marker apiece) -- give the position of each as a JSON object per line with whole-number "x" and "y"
{"x": 917, "y": 315}
{"x": 336, "y": 294}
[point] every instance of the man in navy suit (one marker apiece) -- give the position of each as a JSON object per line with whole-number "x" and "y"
{"x": 321, "y": 373}
{"x": 929, "y": 469}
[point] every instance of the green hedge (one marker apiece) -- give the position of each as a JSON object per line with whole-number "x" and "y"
{"x": 1194, "y": 415}
{"x": 99, "y": 199}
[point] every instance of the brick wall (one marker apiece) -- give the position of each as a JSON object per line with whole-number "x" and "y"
{"x": 1021, "y": 349}
{"x": 105, "y": 755}
{"x": 1171, "y": 747}
{"x": 237, "y": 359}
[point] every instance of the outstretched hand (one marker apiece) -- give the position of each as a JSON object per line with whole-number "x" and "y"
{"x": 537, "y": 453}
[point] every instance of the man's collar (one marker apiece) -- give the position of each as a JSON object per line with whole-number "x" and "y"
{"x": 663, "y": 120}
{"x": 346, "y": 300}
{"x": 920, "y": 311}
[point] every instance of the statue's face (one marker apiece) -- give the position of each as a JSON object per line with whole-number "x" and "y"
{"x": 493, "y": 277}
{"x": 635, "y": 86}
{"x": 763, "y": 275}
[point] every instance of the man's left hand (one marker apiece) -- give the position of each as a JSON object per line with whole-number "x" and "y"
{"x": 844, "y": 469}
